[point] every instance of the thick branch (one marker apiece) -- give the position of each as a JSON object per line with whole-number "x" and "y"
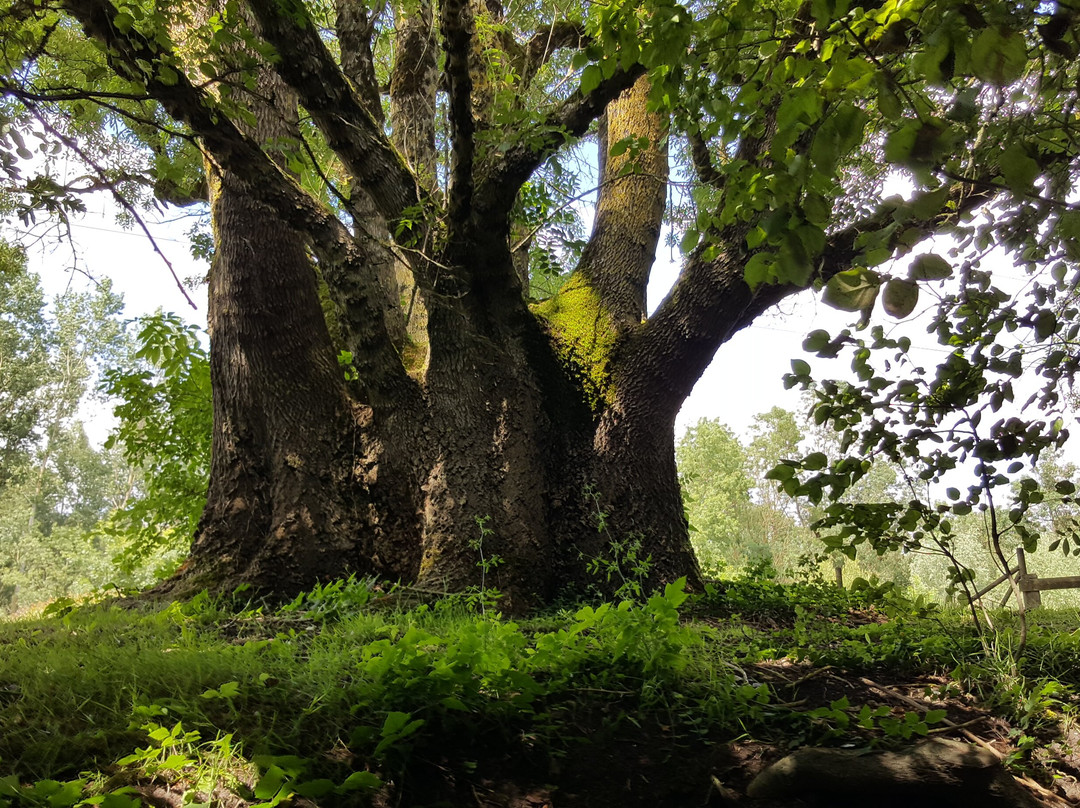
{"x": 571, "y": 120}
{"x": 458, "y": 40}
{"x": 711, "y": 302}
{"x": 308, "y": 67}
{"x": 546, "y": 42}
{"x": 233, "y": 151}
{"x": 630, "y": 207}
{"x": 702, "y": 160}
{"x": 355, "y": 28}
{"x": 413, "y": 86}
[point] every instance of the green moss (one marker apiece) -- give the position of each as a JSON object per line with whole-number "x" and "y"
{"x": 584, "y": 335}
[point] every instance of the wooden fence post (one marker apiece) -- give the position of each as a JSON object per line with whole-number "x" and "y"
{"x": 1026, "y": 582}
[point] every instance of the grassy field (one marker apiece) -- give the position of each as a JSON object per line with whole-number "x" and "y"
{"x": 357, "y": 694}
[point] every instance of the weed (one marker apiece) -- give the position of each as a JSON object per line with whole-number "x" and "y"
{"x": 483, "y": 597}
{"x": 625, "y": 568}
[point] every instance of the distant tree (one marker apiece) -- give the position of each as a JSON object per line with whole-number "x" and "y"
{"x": 54, "y": 484}
{"x": 715, "y": 476}
{"x": 24, "y": 357}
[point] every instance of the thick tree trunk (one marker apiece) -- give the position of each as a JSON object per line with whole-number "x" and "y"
{"x": 283, "y": 500}
{"x": 484, "y": 427}
{"x": 508, "y": 458}
{"x": 503, "y": 470}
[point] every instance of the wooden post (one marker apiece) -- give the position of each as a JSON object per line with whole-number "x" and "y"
{"x": 1027, "y": 583}
{"x": 839, "y": 570}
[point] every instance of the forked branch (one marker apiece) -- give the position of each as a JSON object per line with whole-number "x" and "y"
{"x": 308, "y": 67}
{"x": 229, "y": 149}
{"x": 571, "y": 120}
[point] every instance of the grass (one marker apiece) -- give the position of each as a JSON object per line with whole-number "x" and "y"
{"x": 353, "y": 695}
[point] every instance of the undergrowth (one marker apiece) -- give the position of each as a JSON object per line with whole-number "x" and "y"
{"x": 341, "y": 694}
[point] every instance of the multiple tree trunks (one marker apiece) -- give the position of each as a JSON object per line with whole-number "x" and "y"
{"x": 529, "y": 448}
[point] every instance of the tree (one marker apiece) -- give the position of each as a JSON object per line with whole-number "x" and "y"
{"x": 715, "y": 479}
{"x": 23, "y": 361}
{"x": 369, "y": 172}
{"x": 54, "y": 485}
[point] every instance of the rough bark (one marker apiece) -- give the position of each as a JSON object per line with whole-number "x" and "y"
{"x": 413, "y": 85}
{"x": 283, "y": 499}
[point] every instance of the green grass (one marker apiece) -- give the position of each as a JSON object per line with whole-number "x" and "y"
{"x": 349, "y": 690}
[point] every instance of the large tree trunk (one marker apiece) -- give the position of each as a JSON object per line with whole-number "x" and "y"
{"x": 504, "y": 468}
{"x": 522, "y": 454}
{"x": 474, "y": 423}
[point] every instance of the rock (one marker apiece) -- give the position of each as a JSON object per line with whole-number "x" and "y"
{"x": 936, "y": 773}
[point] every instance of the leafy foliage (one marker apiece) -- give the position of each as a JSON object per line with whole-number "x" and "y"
{"x": 67, "y": 507}
{"x": 962, "y": 419}
{"x": 247, "y": 700}
{"x": 164, "y": 431}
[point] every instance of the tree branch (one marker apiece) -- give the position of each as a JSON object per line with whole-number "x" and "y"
{"x": 121, "y": 200}
{"x": 457, "y": 37}
{"x": 546, "y": 42}
{"x": 355, "y": 27}
{"x": 413, "y": 88}
{"x": 571, "y": 120}
{"x": 307, "y": 66}
{"x": 702, "y": 160}
{"x": 711, "y": 302}
{"x": 630, "y": 206}
{"x": 230, "y": 150}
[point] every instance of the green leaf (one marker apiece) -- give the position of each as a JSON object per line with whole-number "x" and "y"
{"x": 900, "y": 144}
{"x": 888, "y": 102}
{"x": 816, "y": 340}
{"x": 781, "y": 472}
{"x": 930, "y": 267}
{"x": 590, "y": 79}
{"x": 690, "y": 239}
{"x": 929, "y": 204}
{"x": 759, "y": 269}
{"x": 313, "y": 789}
{"x": 1045, "y": 324}
{"x": 853, "y": 73}
{"x": 364, "y": 781}
{"x": 800, "y": 367}
{"x": 1018, "y": 169}
{"x": 270, "y": 784}
{"x": 123, "y": 22}
{"x": 999, "y": 57}
{"x": 803, "y": 105}
{"x": 900, "y": 298}
{"x": 852, "y": 290}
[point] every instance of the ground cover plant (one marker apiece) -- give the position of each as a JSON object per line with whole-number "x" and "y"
{"x": 356, "y": 694}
